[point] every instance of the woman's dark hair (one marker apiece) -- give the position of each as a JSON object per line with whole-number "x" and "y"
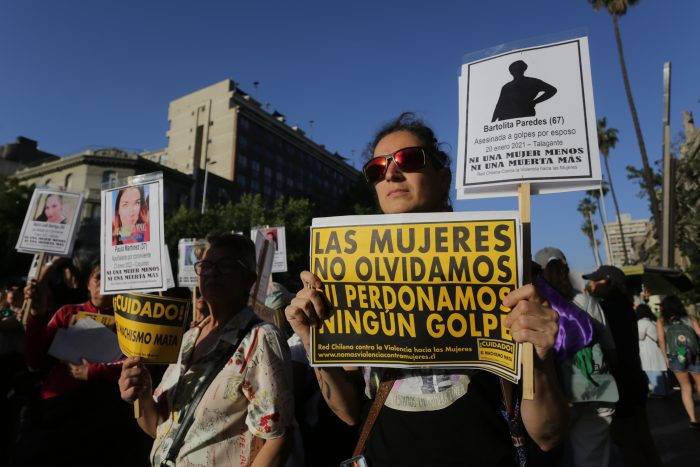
{"x": 643, "y": 311}
{"x": 409, "y": 123}
{"x": 556, "y": 273}
{"x": 672, "y": 307}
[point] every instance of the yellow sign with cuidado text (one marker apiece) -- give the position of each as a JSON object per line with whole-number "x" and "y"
{"x": 149, "y": 326}
{"x": 417, "y": 290}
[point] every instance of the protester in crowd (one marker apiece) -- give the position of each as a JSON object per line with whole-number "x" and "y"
{"x": 435, "y": 417}
{"x": 77, "y": 400}
{"x": 589, "y": 385}
{"x": 246, "y": 414}
{"x": 130, "y": 223}
{"x": 678, "y": 336}
{"x": 630, "y": 427}
{"x": 11, "y": 361}
{"x": 653, "y": 361}
{"x": 53, "y": 210}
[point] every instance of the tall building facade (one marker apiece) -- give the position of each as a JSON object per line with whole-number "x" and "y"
{"x": 222, "y": 130}
{"x": 635, "y": 233}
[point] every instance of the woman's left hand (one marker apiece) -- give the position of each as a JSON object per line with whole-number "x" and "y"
{"x": 79, "y": 372}
{"x": 531, "y": 319}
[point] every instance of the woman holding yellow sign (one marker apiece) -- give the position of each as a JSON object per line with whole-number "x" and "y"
{"x": 228, "y": 400}
{"x": 431, "y": 416}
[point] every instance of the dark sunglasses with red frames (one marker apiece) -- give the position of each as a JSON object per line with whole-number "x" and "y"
{"x": 406, "y": 159}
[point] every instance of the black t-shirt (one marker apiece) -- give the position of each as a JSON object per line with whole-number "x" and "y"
{"x": 469, "y": 432}
{"x": 630, "y": 379}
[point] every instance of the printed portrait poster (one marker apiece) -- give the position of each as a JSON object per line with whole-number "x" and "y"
{"x": 417, "y": 290}
{"x": 149, "y": 326}
{"x": 190, "y": 250}
{"x": 132, "y": 237}
{"x": 51, "y": 222}
{"x": 527, "y": 115}
{"x": 277, "y": 237}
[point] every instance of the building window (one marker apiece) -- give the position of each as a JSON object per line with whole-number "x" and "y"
{"x": 67, "y": 183}
{"x": 255, "y": 167}
{"x": 109, "y": 178}
{"x": 242, "y": 181}
{"x": 242, "y": 161}
{"x": 242, "y": 142}
{"x": 255, "y": 186}
{"x": 244, "y": 123}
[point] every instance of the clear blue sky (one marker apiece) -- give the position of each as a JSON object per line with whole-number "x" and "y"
{"x": 78, "y": 74}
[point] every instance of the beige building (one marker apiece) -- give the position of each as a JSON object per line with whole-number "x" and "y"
{"x": 224, "y": 131}
{"x": 217, "y": 133}
{"x": 635, "y": 232}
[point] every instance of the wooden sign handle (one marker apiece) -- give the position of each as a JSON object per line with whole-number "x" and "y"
{"x": 528, "y": 349}
{"x": 137, "y": 409}
{"x": 27, "y": 305}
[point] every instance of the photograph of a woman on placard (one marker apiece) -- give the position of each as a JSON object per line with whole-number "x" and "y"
{"x": 130, "y": 223}
{"x": 271, "y": 236}
{"x": 52, "y": 209}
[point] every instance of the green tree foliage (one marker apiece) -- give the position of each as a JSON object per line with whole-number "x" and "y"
{"x": 14, "y": 201}
{"x": 687, "y": 218}
{"x": 294, "y": 214}
{"x": 637, "y": 175}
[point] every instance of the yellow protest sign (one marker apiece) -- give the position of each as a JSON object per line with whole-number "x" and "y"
{"x": 149, "y": 326}
{"x": 417, "y": 290}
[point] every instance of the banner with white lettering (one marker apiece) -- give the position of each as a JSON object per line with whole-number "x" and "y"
{"x": 527, "y": 115}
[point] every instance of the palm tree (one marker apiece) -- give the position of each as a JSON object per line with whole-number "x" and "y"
{"x": 607, "y": 139}
{"x": 598, "y": 196}
{"x": 618, "y": 8}
{"x": 587, "y": 207}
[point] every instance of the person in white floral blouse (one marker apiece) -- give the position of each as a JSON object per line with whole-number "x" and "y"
{"x": 247, "y": 413}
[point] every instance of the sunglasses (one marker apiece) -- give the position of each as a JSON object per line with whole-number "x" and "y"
{"x": 406, "y": 159}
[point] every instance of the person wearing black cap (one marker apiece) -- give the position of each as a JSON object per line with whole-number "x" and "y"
{"x": 630, "y": 428}
{"x": 588, "y": 385}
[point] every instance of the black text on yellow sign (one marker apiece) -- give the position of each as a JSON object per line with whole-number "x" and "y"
{"x": 417, "y": 293}
{"x": 149, "y": 326}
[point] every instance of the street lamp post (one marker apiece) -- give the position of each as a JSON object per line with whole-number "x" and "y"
{"x": 207, "y": 163}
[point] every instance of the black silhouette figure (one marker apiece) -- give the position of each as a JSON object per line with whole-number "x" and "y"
{"x": 519, "y": 97}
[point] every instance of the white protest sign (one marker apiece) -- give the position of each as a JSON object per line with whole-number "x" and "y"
{"x": 264, "y": 258}
{"x": 186, "y": 257}
{"x": 132, "y": 237}
{"x": 527, "y": 115}
{"x": 169, "y": 278}
{"x": 51, "y": 222}
{"x": 276, "y": 235}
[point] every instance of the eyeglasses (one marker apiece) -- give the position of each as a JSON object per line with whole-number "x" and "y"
{"x": 406, "y": 159}
{"x": 223, "y": 266}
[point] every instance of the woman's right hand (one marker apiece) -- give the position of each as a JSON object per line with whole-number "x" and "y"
{"x": 135, "y": 380}
{"x": 36, "y": 292}
{"x": 308, "y": 308}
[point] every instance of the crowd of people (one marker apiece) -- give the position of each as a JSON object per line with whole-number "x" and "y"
{"x": 242, "y": 391}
